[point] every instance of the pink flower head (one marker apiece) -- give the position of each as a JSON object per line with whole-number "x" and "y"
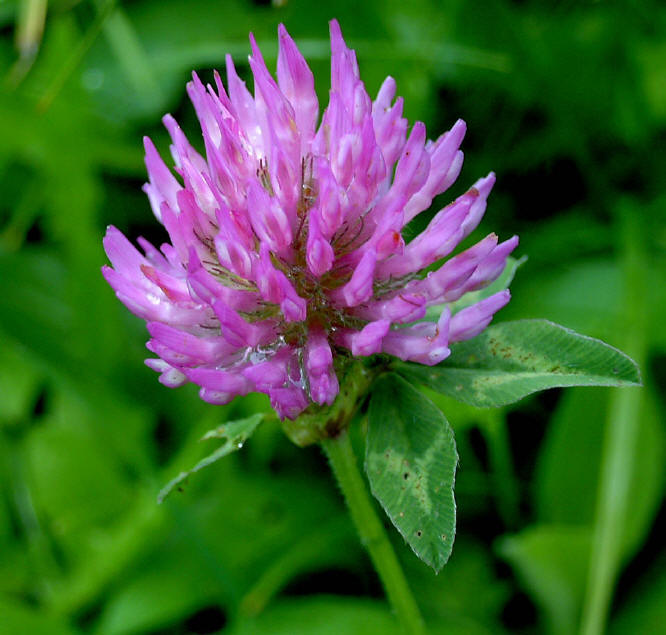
{"x": 286, "y": 250}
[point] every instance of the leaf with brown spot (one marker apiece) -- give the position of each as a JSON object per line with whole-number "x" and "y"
{"x": 514, "y": 359}
{"x": 418, "y": 498}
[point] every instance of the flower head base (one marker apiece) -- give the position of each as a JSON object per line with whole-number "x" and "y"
{"x": 286, "y": 251}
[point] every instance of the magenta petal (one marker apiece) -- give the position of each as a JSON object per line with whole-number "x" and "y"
{"x": 328, "y": 208}
{"x": 401, "y": 309}
{"x": 289, "y": 402}
{"x": 445, "y": 164}
{"x": 297, "y": 84}
{"x": 169, "y": 376}
{"x": 414, "y": 164}
{"x": 490, "y": 268}
{"x": 359, "y": 288}
{"x": 319, "y": 253}
{"x": 234, "y": 328}
{"x": 269, "y": 221}
{"x": 163, "y": 185}
{"x": 472, "y": 320}
{"x": 275, "y": 287}
{"x": 322, "y": 381}
{"x": 270, "y": 374}
{"x": 483, "y": 187}
{"x": 443, "y": 285}
{"x": 437, "y": 241}
{"x": 368, "y": 340}
{"x": 285, "y": 237}
{"x": 389, "y": 125}
{"x": 219, "y": 380}
{"x": 244, "y": 108}
{"x": 425, "y": 343}
{"x": 197, "y": 349}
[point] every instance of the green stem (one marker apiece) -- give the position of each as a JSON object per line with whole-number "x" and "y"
{"x": 619, "y": 454}
{"x": 373, "y": 535}
{"x": 505, "y": 483}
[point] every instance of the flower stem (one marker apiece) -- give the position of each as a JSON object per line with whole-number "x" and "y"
{"x": 373, "y": 535}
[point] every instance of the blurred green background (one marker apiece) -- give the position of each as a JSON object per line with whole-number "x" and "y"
{"x": 566, "y": 101}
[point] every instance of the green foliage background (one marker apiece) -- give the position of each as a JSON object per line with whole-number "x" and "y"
{"x": 566, "y": 101}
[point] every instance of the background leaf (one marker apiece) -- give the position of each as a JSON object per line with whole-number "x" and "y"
{"x": 322, "y": 616}
{"x": 551, "y": 561}
{"x": 567, "y": 106}
{"x": 17, "y": 618}
{"x": 567, "y": 480}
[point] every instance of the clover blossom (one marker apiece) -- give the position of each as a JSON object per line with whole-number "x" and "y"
{"x": 286, "y": 254}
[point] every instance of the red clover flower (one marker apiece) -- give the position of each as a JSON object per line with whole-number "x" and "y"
{"x": 286, "y": 253}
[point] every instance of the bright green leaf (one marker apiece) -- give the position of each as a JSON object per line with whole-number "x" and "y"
{"x": 235, "y": 433}
{"x": 411, "y": 463}
{"x": 514, "y": 359}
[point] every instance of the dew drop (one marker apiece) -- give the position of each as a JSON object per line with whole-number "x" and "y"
{"x": 92, "y": 79}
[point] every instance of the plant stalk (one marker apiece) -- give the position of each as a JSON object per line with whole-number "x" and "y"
{"x": 505, "y": 483}
{"x": 619, "y": 453}
{"x": 372, "y": 533}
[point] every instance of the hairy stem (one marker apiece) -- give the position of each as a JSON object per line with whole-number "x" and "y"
{"x": 373, "y": 535}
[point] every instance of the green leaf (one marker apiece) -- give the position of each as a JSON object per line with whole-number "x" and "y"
{"x": 157, "y": 596}
{"x": 645, "y": 603}
{"x": 567, "y": 482}
{"x": 411, "y": 462}
{"x": 514, "y": 359}
{"x": 470, "y": 595}
{"x": 235, "y": 433}
{"x": 321, "y": 615}
{"x": 551, "y": 562}
{"x": 18, "y": 385}
{"x": 19, "y": 617}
